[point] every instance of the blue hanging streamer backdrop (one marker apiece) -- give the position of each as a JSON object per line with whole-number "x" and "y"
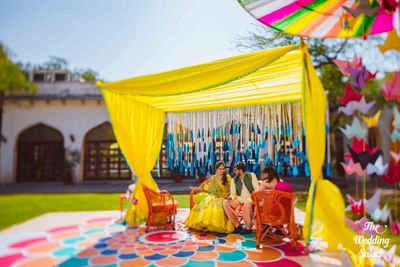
{"x": 259, "y": 136}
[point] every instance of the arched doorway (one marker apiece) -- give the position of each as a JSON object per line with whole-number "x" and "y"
{"x": 40, "y": 154}
{"x": 103, "y": 159}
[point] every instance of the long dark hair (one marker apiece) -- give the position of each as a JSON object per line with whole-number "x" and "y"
{"x": 272, "y": 174}
{"x": 224, "y": 176}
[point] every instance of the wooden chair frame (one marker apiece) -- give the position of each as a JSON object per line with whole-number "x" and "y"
{"x": 160, "y": 203}
{"x": 268, "y": 219}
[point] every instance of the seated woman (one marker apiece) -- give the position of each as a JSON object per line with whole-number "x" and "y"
{"x": 270, "y": 180}
{"x": 208, "y": 214}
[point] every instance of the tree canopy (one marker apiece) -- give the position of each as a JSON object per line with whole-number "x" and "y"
{"x": 12, "y": 78}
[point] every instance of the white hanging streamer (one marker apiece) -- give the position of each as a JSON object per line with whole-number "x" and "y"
{"x": 187, "y": 130}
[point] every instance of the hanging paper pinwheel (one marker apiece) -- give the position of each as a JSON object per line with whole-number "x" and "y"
{"x": 391, "y": 90}
{"x": 324, "y": 19}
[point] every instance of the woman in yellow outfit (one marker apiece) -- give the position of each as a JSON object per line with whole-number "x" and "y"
{"x": 208, "y": 214}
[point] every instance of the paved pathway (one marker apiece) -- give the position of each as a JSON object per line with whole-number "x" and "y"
{"x": 299, "y": 184}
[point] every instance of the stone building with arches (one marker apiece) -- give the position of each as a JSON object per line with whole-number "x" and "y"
{"x": 63, "y": 131}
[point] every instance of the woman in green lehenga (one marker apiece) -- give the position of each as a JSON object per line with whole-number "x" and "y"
{"x": 208, "y": 213}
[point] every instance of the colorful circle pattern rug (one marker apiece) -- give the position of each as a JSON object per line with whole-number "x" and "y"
{"x": 102, "y": 242}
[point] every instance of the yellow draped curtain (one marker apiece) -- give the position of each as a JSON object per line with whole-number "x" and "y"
{"x": 138, "y": 129}
{"x": 328, "y": 211}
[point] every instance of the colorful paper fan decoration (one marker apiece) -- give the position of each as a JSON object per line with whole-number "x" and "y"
{"x": 350, "y": 95}
{"x": 343, "y": 65}
{"x": 324, "y": 19}
{"x": 392, "y": 42}
{"x": 391, "y": 90}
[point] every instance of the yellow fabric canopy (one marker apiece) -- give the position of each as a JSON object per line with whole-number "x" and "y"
{"x": 137, "y": 108}
{"x": 243, "y": 80}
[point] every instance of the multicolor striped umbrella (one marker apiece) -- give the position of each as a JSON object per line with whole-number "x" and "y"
{"x": 326, "y": 18}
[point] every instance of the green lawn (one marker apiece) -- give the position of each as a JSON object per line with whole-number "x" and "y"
{"x": 21, "y": 207}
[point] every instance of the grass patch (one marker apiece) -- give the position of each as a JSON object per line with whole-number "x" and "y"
{"x": 17, "y": 208}
{"x": 301, "y": 200}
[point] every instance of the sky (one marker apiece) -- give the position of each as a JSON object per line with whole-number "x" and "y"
{"x": 122, "y": 39}
{"x": 127, "y": 38}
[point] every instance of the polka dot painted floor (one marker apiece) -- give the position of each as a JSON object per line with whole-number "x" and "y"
{"x": 99, "y": 241}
